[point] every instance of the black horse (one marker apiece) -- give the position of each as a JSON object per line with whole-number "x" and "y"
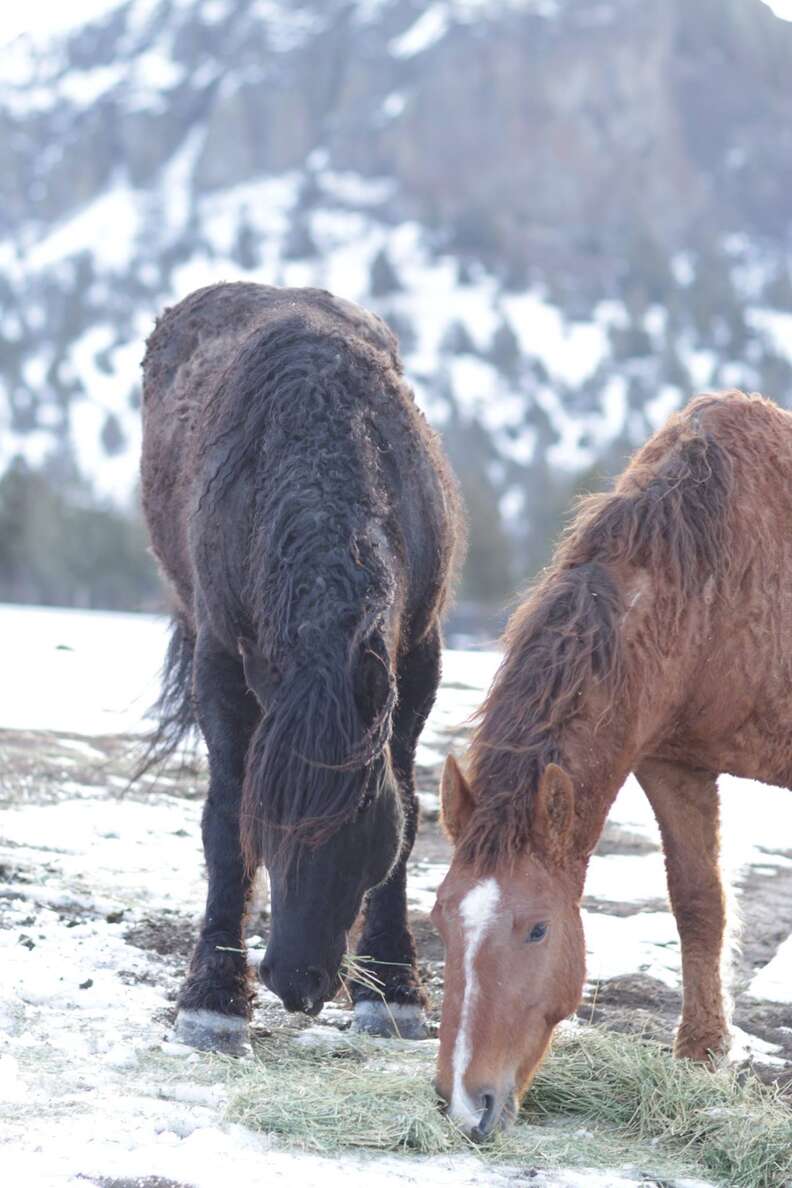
{"x": 307, "y": 522}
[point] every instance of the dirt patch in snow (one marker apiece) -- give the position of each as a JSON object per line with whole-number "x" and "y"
{"x": 169, "y": 934}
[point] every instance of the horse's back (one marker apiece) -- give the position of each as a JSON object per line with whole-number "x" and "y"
{"x": 217, "y": 333}
{"x": 738, "y": 697}
{"x": 194, "y": 342}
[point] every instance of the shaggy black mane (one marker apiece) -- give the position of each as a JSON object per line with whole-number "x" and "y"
{"x": 293, "y": 426}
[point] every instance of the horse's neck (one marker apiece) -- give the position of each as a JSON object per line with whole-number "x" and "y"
{"x": 598, "y": 762}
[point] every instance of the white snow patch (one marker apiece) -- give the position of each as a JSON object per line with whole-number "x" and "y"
{"x": 782, "y": 8}
{"x": 466, "y": 678}
{"x": 111, "y": 219}
{"x": 614, "y": 408}
{"x": 43, "y": 19}
{"x": 393, "y": 104}
{"x": 571, "y": 351}
{"x": 644, "y": 943}
{"x": 627, "y": 878}
{"x": 751, "y": 1047}
{"x": 175, "y": 189}
{"x": 356, "y": 189}
{"x": 430, "y": 27}
{"x": 660, "y": 408}
{"x": 85, "y": 87}
{"x": 213, "y": 12}
{"x": 101, "y": 669}
{"x": 774, "y": 981}
{"x": 288, "y": 26}
{"x": 683, "y": 268}
{"x": 423, "y": 880}
{"x": 108, "y": 388}
{"x": 775, "y": 326}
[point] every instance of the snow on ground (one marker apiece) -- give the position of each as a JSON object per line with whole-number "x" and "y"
{"x": 86, "y": 673}
{"x": 89, "y": 1082}
{"x": 96, "y": 673}
{"x": 774, "y": 980}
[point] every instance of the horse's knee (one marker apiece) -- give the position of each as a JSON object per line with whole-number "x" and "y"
{"x": 700, "y": 912}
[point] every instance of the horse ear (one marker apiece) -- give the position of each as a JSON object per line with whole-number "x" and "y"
{"x": 261, "y": 676}
{"x": 555, "y": 810}
{"x": 456, "y": 799}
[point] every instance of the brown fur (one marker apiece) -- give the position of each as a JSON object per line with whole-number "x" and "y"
{"x": 666, "y": 516}
{"x": 659, "y": 641}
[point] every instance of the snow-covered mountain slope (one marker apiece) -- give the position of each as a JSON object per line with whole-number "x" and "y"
{"x": 566, "y": 211}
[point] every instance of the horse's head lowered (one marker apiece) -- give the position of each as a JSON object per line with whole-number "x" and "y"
{"x": 515, "y": 957}
{"x": 318, "y": 892}
{"x": 322, "y": 863}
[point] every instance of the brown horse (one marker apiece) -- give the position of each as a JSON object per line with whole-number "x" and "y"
{"x": 659, "y": 641}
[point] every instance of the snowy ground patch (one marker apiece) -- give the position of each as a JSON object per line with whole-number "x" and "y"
{"x": 101, "y": 888}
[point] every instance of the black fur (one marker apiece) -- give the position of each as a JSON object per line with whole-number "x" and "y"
{"x": 307, "y": 522}
{"x": 173, "y": 710}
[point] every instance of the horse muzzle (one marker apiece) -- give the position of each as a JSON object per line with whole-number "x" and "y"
{"x": 306, "y": 989}
{"x": 479, "y": 1115}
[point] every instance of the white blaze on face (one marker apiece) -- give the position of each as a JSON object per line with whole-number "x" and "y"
{"x": 478, "y": 910}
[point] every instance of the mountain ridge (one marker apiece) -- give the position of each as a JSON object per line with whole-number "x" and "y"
{"x": 572, "y": 213}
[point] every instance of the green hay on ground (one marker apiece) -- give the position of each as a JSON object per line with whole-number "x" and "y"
{"x": 349, "y": 1093}
{"x": 600, "y": 1100}
{"x": 732, "y": 1126}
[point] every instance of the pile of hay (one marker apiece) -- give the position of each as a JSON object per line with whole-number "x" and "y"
{"x": 728, "y": 1125}
{"x": 341, "y": 1090}
{"x": 600, "y": 1100}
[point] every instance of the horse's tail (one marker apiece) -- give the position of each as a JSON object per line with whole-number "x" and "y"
{"x": 173, "y": 709}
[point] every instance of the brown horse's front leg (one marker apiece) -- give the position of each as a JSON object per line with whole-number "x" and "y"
{"x": 685, "y": 802}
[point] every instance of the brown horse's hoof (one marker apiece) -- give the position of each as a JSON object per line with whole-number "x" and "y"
{"x": 705, "y": 1048}
{"x": 211, "y": 1032}
{"x": 402, "y": 1020}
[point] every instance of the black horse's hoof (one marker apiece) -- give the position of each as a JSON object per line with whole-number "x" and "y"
{"x": 402, "y": 1020}
{"x": 211, "y": 1032}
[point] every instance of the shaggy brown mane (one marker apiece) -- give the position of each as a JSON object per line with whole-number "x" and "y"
{"x": 667, "y": 516}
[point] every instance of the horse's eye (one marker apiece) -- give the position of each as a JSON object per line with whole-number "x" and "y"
{"x": 537, "y": 933}
{"x": 365, "y": 803}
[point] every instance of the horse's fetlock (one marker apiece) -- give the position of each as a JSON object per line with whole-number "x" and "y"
{"x": 708, "y": 1043}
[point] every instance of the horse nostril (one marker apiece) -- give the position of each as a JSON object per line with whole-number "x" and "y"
{"x": 488, "y": 1119}
{"x": 316, "y": 981}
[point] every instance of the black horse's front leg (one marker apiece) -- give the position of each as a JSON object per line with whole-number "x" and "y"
{"x": 396, "y": 1005}
{"x": 215, "y": 1002}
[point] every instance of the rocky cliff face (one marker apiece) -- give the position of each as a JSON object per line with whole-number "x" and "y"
{"x": 574, "y": 212}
